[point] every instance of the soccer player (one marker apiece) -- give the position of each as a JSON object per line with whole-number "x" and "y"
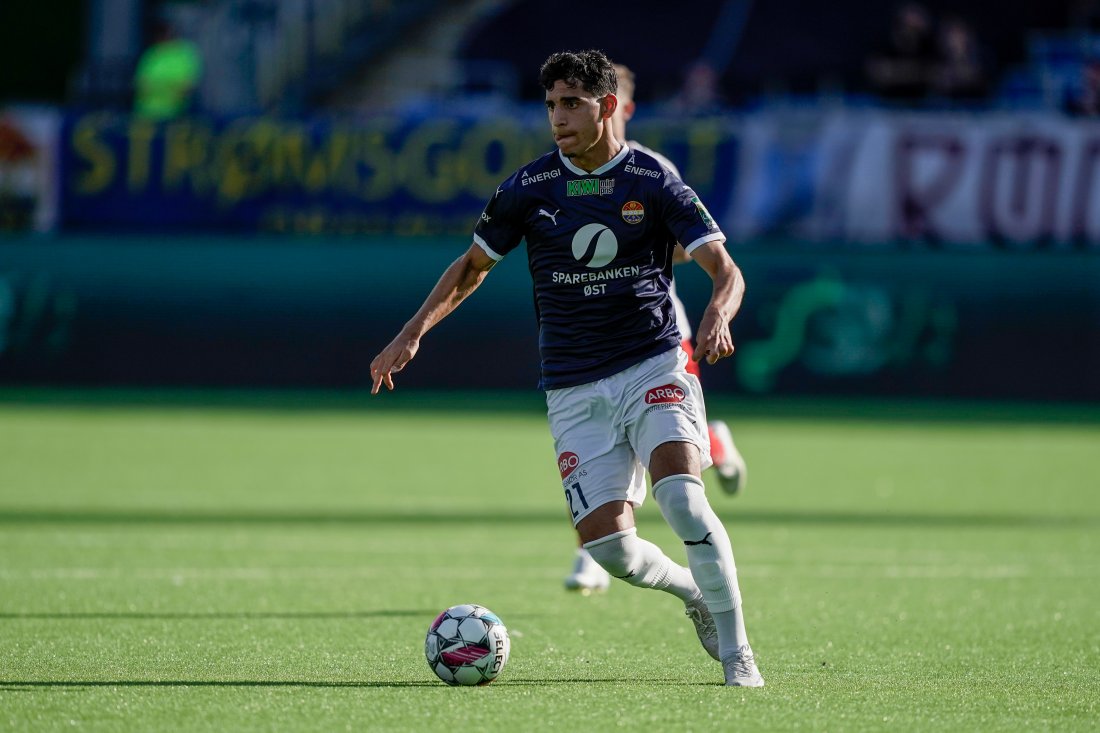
{"x": 601, "y": 221}
{"x": 587, "y": 575}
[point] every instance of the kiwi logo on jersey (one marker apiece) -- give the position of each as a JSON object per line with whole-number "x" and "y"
{"x": 703, "y": 213}
{"x": 590, "y": 187}
{"x": 595, "y": 245}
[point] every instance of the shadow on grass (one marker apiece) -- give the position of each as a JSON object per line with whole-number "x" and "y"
{"x": 271, "y": 400}
{"x": 220, "y": 615}
{"x": 25, "y": 685}
{"x": 28, "y": 685}
{"x": 532, "y": 402}
{"x": 396, "y": 518}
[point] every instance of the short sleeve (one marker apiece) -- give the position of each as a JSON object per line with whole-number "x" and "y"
{"x": 500, "y": 228}
{"x": 685, "y": 215}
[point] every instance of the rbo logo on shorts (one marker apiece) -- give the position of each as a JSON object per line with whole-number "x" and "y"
{"x": 567, "y": 463}
{"x": 664, "y": 395}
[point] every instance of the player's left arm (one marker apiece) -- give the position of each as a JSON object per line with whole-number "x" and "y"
{"x": 712, "y": 339}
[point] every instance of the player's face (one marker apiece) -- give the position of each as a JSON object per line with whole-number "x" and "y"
{"x": 577, "y": 118}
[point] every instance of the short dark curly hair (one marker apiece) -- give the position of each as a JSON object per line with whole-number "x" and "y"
{"x": 591, "y": 69}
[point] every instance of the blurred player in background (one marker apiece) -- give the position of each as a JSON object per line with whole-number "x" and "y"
{"x": 601, "y": 222}
{"x": 587, "y": 575}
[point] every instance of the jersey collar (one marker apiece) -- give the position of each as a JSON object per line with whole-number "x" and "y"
{"x": 620, "y": 157}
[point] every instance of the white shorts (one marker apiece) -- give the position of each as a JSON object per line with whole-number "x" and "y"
{"x": 605, "y": 431}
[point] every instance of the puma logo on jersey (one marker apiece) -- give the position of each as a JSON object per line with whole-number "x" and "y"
{"x": 552, "y": 217}
{"x": 704, "y": 541}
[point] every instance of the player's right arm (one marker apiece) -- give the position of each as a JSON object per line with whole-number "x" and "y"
{"x": 456, "y": 283}
{"x": 713, "y": 340}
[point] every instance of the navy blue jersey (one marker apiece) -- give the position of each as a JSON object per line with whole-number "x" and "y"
{"x": 599, "y": 247}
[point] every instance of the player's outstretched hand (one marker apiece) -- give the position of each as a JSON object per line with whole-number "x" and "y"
{"x": 392, "y": 360}
{"x": 713, "y": 341}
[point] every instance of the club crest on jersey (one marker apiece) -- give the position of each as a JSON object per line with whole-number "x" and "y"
{"x": 669, "y": 393}
{"x": 633, "y": 212}
{"x": 567, "y": 463}
{"x": 590, "y": 187}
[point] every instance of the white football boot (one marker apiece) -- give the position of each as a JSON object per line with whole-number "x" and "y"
{"x": 705, "y": 627}
{"x": 740, "y": 669}
{"x": 588, "y": 576}
{"x": 733, "y": 474}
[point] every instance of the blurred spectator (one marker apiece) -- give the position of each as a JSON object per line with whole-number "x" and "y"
{"x": 167, "y": 75}
{"x": 902, "y": 67}
{"x": 1084, "y": 99}
{"x": 960, "y": 71}
{"x": 700, "y": 94}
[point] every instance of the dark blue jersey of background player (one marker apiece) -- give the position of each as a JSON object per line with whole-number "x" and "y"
{"x": 599, "y": 247}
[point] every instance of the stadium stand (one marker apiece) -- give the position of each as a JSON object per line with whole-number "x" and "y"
{"x": 786, "y": 47}
{"x": 290, "y": 56}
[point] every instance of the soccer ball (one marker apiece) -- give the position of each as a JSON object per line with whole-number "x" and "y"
{"x": 467, "y": 645}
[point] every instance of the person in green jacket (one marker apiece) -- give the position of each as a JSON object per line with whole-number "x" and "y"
{"x": 167, "y": 75}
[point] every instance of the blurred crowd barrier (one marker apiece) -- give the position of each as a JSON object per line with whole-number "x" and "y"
{"x": 886, "y": 253}
{"x": 312, "y": 311}
{"x": 1011, "y": 181}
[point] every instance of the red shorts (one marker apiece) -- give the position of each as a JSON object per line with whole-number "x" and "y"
{"x": 692, "y": 365}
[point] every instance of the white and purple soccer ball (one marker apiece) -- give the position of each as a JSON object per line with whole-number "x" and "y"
{"x": 467, "y": 645}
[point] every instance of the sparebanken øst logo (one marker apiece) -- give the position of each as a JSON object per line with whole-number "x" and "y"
{"x": 567, "y": 463}
{"x": 664, "y": 395}
{"x": 595, "y": 245}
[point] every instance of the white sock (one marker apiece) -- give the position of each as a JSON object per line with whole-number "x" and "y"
{"x": 584, "y": 562}
{"x": 731, "y": 631}
{"x": 710, "y": 554}
{"x": 641, "y": 563}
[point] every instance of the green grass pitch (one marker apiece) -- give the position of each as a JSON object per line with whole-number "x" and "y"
{"x": 252, "y": 561}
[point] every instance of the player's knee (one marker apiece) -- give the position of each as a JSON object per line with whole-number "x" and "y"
{"x": 616, "y": 553}
{"x": 683, "y": 503}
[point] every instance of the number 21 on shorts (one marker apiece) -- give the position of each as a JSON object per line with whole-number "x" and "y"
{"x": 575, "y": 491}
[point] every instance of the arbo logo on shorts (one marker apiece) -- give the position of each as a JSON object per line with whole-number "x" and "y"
{"x": 664, "y": 395}
{"x": 567, "y": 463}
{"x": 595, "y": 245}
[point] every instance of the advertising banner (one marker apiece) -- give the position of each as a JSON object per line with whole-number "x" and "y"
{"x": 988, "y": 181}
{"x": 312, "y": 311}
{"x": 28, "y": 168}
{"x": 426, "y": 175}
{"x": 1017, "y": 182}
